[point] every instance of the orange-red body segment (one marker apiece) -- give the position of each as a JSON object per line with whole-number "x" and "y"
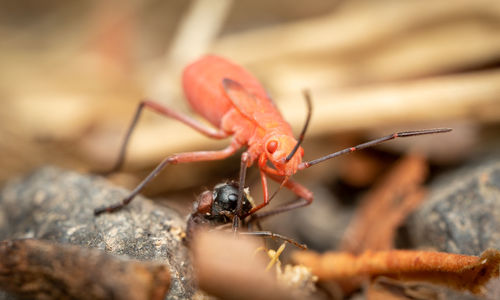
{"x": 202, "y": 82}
{"x": 250, "y": 116}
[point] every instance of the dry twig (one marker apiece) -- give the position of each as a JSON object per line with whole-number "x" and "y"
{"x": 227, "y": 268}
{"x": 43, "y": 270}
{"x": 457, "y": 271}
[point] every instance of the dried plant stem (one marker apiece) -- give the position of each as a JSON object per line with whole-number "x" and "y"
{"x": 457, "y": 271}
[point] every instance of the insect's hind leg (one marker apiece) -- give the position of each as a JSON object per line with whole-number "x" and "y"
{"x": 173, "y": 159}
{"x": 159, "y": 108}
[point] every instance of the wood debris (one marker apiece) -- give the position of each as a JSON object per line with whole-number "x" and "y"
{"x": 227, "y": 268}
{"x": 366, "y": 248}
{"x": 43, "y": 270}
{"x": 456, "y": 271}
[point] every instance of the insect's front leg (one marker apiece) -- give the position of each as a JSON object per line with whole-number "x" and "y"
{"x": 305, "y": 197}
{"x": 173, "y": 159}
{"x": 262, "y": 167}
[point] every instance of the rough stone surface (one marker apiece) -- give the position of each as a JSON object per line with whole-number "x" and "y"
{"x": 462, "y": 214}
{"x": 57, "y": 205}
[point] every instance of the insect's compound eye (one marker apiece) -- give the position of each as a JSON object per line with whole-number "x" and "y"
{"x": 232, "y": 197}
{"x": 272, "y": 146}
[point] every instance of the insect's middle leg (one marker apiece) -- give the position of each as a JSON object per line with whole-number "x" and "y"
{"x": 173, "y": 159}
{"x": 159, "y": 108}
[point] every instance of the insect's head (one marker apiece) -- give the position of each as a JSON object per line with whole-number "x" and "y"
{"x": 221, "y": 201}
{"x": 278, "y": 148}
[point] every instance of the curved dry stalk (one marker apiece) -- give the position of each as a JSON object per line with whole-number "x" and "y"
{"x": 461, "y": 272}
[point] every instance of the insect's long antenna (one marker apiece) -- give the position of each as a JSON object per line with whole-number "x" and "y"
{"x": 307, "y": 97}
{"x": 306, "y": 165}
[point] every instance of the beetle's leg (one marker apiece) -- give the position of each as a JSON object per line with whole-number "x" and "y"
{"x": 305, "y": 197}
{"x": 173, "y": 159}
{"x": 273, "y": 235}
{"x": 157, "y": 107}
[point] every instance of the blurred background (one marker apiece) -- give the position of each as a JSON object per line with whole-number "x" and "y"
{"x": 73, "y": 72}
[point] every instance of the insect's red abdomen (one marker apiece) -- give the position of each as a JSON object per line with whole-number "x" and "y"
{"x": 202, "y": 82}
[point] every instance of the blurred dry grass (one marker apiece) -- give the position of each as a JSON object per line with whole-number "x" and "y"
{"x": 73, "y": 72}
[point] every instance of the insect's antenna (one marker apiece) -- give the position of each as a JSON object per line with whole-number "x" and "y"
{"x": 305, "y": 165}
{"x": 307, "y": 96}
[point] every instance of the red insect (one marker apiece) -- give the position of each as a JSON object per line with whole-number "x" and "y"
{"x": 236, "y": 104}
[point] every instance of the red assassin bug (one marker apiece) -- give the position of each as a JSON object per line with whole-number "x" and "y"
{"x": 236, "y": 104}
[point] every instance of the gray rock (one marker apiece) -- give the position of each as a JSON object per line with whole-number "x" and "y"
{"x": 462, "y": 214}
{"x": 57, "y": 205}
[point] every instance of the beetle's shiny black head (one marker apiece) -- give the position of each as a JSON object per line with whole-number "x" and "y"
{"x": 218, "y": 207}
{"x": 225, "y": 197}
